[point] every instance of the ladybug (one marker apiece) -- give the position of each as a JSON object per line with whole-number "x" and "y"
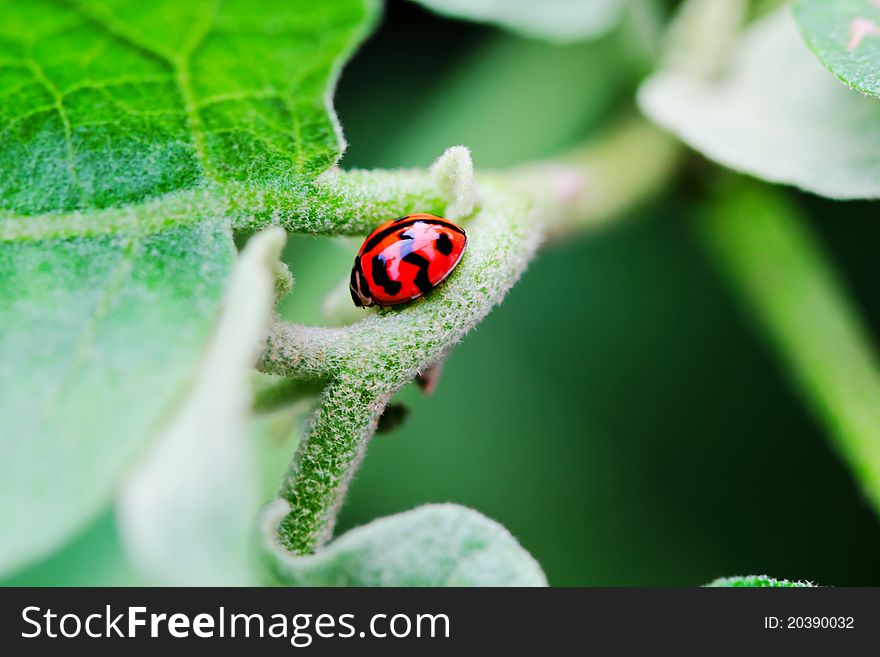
{"x": 404, "y": 259}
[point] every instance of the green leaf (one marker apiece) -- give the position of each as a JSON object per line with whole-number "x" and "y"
{"x": 845, "y": 35}
{"x": 128, "y": 129}
{"x": 98, "y": 336}
{"x": 111, "y": 103}
{"x": 555, "y": 20}
{"x": 433, "y": 545}
{"x": 777, "y": 265}
{"x": 756, "y": 581}
{"x": 92, "y": 558}
{"x": 186, "y": 512}
{"x": 776, "y": 114}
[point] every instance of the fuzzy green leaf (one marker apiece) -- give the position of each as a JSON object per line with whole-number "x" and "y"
{"x": 94, "y": 557}
{"x": 433, "y": 545}
{"x": 776, "y": 114}
{"x": 845, "y": 35}
{"x": 186, "y": 512}
{"x": 555, "y": 20}
{"x": 111, "y": 103}
{"x": 756, "y": 581}
{"x": 128, "y": 128}
{"x": 98, "y": 335}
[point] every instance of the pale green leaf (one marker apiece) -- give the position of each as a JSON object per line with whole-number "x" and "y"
{"x": 186, "y": 512}
{"x": 776, "y": 114}
{"x": 93, "y": 557}
{"x": 555, "y": 20}
{"x": 756, "y": 581}
{"x": 845, "y": 35}
{"x": 433, "y": 545}
{"x": 98, "y": 336}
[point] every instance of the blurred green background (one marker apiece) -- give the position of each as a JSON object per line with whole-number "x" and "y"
{"x": 618, "y": 412}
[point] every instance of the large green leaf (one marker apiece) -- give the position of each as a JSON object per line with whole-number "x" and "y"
{"x": 433, "y": 545}
{"x": 98, "y": 335}
{"x": 110, "y": 102}
{"x": 776, "y": 114}
{"x": 845, "y": 35}
{"x": 127, "y": 129}
{"x": 186, "y": 512}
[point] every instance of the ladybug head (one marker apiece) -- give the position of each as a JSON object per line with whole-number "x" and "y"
{"x": 360, "y": 291}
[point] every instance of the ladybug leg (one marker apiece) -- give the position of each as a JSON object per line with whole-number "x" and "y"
{"x": 355, "y": 297}
{"x": 360, "y": 291}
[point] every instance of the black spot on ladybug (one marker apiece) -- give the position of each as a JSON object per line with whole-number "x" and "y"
{"x": 443, "y": 244}
{"x": 380, "y": 276}
{"x": 421, "y": 279}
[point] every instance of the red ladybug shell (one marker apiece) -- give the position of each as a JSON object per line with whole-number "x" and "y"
{"x": 404, "y": 259}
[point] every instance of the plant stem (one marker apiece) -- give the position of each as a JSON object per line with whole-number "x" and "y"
{"x": 776, "y": 264}
{"x": 599, "y": 182}
{"x": 366, "y": 363}
{"x": 369, "y": 361}
{"x": 326, "y": 461}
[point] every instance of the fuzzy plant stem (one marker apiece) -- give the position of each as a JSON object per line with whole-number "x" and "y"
{"x": 367, "y": 362}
